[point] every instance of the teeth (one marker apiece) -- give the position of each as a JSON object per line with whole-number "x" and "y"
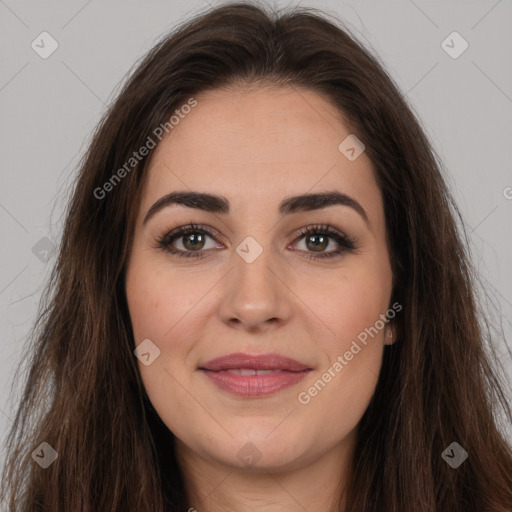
{"x": 246, "y": 372}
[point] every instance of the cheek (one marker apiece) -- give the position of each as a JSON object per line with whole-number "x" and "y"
{"x": 168, "y": 307}
{"x": 164, "y": 310}
{"x": 351, "y": 336}
{"x": 349, "y": 303}
{"x": 160, "y": 304}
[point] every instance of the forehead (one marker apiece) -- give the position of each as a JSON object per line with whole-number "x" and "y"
{"x": 259, "y": 144}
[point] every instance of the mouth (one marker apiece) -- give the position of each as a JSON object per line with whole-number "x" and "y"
{"x": 254, "y": 376}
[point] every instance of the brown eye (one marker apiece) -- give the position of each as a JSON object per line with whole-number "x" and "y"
{"x": 193, "y": 241}
{"x": 317, "y": 242}
{"x": 317, "y": 239}
{"x": 188, "y": 241}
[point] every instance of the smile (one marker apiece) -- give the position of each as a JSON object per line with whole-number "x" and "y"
{"x": 254, "y": 376}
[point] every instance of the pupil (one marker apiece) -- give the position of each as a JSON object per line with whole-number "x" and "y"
{"x": 322, "y": 244}
{"x": 197, "y": 239}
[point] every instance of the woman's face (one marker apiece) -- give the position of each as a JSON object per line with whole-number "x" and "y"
{"x": 260, "y": 286}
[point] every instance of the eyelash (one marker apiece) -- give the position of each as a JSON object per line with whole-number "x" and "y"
{"x": 345, "y": 243}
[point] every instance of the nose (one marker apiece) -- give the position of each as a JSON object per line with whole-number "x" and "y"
{"x": 256, "y": 296}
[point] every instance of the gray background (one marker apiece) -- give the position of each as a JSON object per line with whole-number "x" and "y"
{"x": 50, "y": 106}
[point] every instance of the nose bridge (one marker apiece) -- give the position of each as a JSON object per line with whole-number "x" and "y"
{"x": 252, "y": 275}
{"x": 255, "y": 295}
{"x": 252, "y": 261}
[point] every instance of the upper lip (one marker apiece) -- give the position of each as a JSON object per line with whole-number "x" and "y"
{"x": 240, "y": 360}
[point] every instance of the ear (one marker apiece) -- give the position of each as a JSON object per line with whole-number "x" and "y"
{"x": 390, "y": 334}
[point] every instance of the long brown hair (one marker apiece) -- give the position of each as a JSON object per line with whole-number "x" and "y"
{"x": 83, "y": 394}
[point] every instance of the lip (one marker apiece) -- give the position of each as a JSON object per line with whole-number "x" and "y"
{"x": 278, "y": 372}
{"x": 260, "y": 362}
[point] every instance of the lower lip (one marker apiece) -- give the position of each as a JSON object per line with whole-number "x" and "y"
{"x": 254, "y": 385}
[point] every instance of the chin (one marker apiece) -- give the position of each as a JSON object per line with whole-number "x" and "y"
{"x": 261, "y": 448}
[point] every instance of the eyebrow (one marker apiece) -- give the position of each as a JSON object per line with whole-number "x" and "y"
{"x": 219, "y": 204}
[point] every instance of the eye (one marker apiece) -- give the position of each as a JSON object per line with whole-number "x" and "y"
{"x": 320, "y": 237}
{"x": 191, "y": 238}
{"x": 191, "y": 241}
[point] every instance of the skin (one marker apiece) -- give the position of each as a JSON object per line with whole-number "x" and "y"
{"x": 281, "y": 142}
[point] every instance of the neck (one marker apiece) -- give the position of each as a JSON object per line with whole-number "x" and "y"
{"x": 315, "y": 486}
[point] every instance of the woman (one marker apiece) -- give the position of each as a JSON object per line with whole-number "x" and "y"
{"x": 308, "y": 342}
